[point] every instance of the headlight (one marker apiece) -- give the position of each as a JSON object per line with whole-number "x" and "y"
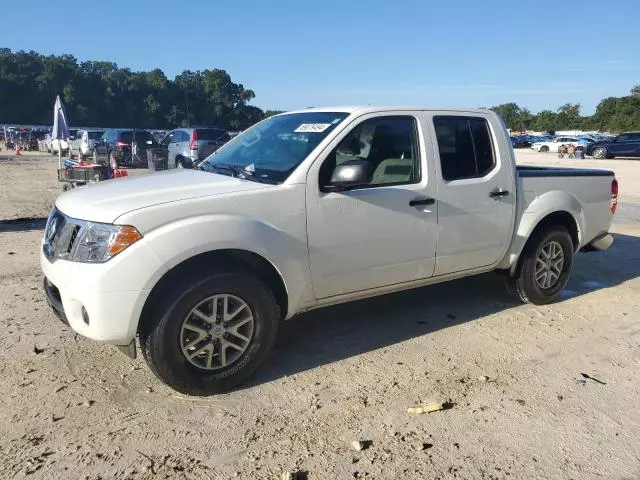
{"x": 98, "y": 242}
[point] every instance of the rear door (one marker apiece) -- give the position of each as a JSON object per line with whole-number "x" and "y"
{"x": 475, "y": 191}
{"x": 175, "y": 145}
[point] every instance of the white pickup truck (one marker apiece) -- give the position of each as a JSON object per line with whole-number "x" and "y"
{"x": 303, "y": 210}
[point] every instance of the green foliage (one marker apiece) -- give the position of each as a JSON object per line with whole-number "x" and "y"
{"x": 613, "y": 114}
{"x": 103, "y": 94}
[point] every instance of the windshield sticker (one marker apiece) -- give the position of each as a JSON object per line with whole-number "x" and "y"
{"x": 312, "y": 127}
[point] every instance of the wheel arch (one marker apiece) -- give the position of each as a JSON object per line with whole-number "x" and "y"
{"x": 224, "y": 260}
{"x": 561, "y": 218}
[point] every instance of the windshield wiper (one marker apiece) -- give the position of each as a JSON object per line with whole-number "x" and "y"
{"x": 241, "y": 173}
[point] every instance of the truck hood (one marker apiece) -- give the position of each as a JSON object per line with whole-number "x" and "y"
{"x": 104, "y": 202}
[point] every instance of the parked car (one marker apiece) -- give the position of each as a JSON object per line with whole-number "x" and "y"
{"x": 87, "y": 140}
{"x": 120, "y": 147}
{"x": 187, "y": 147}
{"x": 520, "y": 142}
{"x": 58, "y": 144}
{"x": 293, "y": 215}
{"x": 553, "y": 145}
{"x": 625, "y": 145}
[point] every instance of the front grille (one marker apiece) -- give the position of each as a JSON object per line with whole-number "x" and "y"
{"x": 60, "y": 235}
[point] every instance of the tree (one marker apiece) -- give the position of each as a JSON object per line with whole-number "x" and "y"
{"x": 568, "y": 117}
{"x": 102, "y": 94}
{"x": 510, "y": 114}
{"x": 545, "y": 121}
{"x": 635, "y": 90}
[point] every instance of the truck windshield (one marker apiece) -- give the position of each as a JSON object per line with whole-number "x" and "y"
{"x": 272, "y": 149}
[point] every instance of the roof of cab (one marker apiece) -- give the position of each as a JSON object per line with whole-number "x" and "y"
{"x": 364, "y": 109}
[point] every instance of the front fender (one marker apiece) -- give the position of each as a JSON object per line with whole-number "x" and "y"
{"x": 183, "y": 239}
{"x": 541, "y": 207}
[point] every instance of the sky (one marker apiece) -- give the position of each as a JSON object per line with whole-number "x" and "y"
{"x": 296, "y": 54}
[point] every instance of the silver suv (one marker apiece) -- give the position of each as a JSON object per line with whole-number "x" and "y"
{"x": 187, "y": 147}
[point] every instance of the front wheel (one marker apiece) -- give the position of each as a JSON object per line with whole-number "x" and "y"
{"x": 545, "y": 268}
{"x": 599, "y": 153}
{"x": 544, "y": 149}
{"x": 211, "y": 336}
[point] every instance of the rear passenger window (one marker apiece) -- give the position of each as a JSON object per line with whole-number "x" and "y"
{"x": 466, "y": 150}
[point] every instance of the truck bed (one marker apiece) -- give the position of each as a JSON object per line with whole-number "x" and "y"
{"x": 543, "y": 188}
{"x": 531, "y": 171}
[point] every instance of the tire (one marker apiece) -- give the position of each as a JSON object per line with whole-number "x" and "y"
{"x": 599, "y": 153}
{"x": 165, "y": 345}
{"x": 544, "y": 149}
{"x": 179, "y": 162}
{"x": 525, "y": 285}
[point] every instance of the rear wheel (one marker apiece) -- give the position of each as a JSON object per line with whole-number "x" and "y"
{"x": 599, "y": 153}
{"x": 213, "y": 335}
{"x": 546, "y": 266}
{"x": 179, "y": 162}
{"x": 544, "y": 148}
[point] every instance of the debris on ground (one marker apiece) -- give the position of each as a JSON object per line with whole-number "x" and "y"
{"x": 294, "y": 475}
{"x": 423, "y": 446}
{"x": 429, "y": 407}
{"x": 359, "y": 445}
{"x": 589, "y": 377}
{"x": 37, "y": 350}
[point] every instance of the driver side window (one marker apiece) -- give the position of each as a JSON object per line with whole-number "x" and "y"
{"x": 389, "y": 144}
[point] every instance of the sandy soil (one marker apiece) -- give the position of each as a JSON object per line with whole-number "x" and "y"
{"x": 536, "y": 392}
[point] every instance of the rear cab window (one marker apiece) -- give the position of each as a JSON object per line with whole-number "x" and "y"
{"x": 465, "y": 146}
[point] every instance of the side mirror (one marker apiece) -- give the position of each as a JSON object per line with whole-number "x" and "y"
{"x": 350, "y": 174}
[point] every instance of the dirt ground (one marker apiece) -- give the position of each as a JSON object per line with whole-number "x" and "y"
{"x": 536, "y": 392}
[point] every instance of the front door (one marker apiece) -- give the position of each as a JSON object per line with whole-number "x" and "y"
{"x": 383, "y": 233}
{"x": 625, "y": 144}
{"x": 475, "y": 191}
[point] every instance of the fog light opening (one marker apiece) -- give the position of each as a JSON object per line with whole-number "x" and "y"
{"x": 85, "y": 315}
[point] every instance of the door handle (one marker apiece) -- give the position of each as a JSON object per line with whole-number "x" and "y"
{"x": 421, "y": 201}
{"x": 498, "y": 192}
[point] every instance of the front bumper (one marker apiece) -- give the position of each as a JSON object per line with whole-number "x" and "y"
{"x": 103, "y": 301}
{"x": 55, "y": 302}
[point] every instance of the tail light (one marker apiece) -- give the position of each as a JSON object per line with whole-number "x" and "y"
{"x": 614, "y": 196}
{"x": 194, "y": 140}
{"x": 122, "y": 144}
